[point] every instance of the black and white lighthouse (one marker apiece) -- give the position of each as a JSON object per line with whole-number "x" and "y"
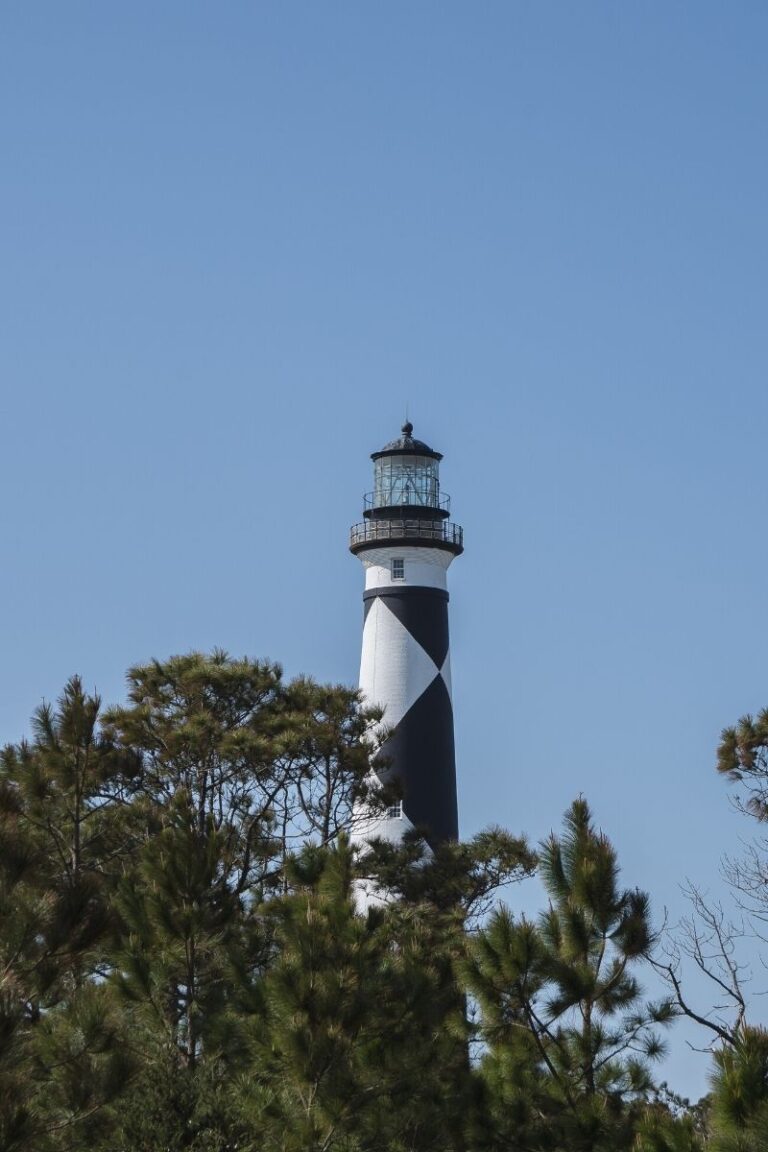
{"x": 406, "y": 543}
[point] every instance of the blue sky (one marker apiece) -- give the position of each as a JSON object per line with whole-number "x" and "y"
{"x": 237, "y": 240}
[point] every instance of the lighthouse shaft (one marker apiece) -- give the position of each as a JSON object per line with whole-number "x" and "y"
{"x": 406, "y": 545}
{"x": 406, "y": 670}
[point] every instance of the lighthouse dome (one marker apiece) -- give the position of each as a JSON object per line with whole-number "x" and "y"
{"x": 406, "y": 445}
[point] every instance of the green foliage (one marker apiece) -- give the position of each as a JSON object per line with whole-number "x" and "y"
{"x": 168, "y": 1107}
{"x": 363, "y": 1046}
{"x": 183, "y": 964}
{"x": 61, "y": 1057}
{"x": 739, "y": 1100}
{"x": 742, "y": 757}
{"x": 569, "y": 1036}
{"x": 658, "y": 1130}
{"x": 465, "y": 875}
{"x": 136, "y": 849}
{"x": 177, "y": 920}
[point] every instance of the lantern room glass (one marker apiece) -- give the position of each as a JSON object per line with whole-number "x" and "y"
{"x": 406, "y": 480}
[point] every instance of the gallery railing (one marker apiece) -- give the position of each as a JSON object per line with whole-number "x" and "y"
{"x": 435, "y": 531}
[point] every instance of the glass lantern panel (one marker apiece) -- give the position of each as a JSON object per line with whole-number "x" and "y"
{"x": 406, "y": 480}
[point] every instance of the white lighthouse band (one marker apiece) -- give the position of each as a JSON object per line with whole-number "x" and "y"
{"x": 406, "y": 544}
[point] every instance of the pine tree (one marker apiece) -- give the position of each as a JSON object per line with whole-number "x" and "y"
{"x": 61, "y": 829}
{"x": 362, "y": 1048}
{"x": 177, "y": 919}
{"x": 269, "y": 765}
{"x": 569, "y": 1034}
{"x": 182, "y": 964}
{"x": 739, "y": 1100}
{"x": 235, "y": 767}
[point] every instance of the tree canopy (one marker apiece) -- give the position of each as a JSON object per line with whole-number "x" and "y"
{"x": 184, "y": 963}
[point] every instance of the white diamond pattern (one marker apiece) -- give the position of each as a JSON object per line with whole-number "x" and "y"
{"x": 395, "y": 670}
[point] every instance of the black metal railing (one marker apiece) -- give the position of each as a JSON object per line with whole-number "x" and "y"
{"x": 436, "y": 531}
{"x": 377, "y": 500}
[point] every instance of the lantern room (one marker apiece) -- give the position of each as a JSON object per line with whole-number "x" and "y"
{"x": 406, "y": 503}
{"x": 406, "y": 474}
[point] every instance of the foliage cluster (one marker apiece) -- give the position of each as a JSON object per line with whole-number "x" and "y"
{"x": 184, "y": 963}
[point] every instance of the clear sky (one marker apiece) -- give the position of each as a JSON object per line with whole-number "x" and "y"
{"x": 237, "y": 240}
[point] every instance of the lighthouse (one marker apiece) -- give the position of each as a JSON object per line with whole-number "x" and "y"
{"x": 406, "y": 543}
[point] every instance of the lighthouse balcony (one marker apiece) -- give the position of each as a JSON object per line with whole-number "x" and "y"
{"x": 430, "y": 533}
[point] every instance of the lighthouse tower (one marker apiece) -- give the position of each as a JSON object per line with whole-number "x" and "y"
{"x": 406, "y": 543}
